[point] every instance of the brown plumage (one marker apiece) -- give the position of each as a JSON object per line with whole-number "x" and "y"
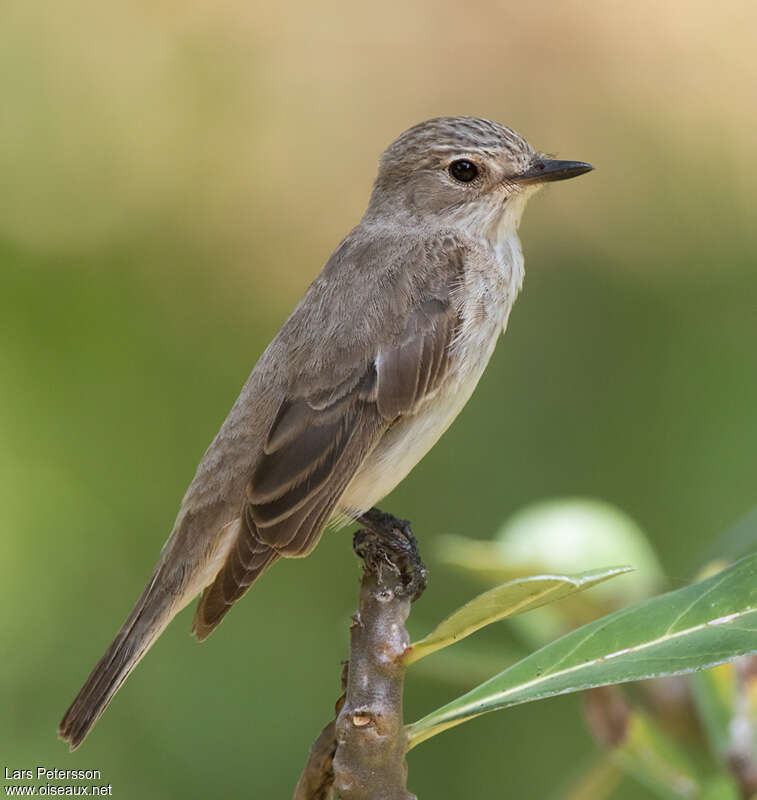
{"x": 365, "y": 375}
{"x": 314, "y": 447}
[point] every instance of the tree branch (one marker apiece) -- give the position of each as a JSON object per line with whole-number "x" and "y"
{"x": 361, "y": 755}
{"x": 317, "y": 779}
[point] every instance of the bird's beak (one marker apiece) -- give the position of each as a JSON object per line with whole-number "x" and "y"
{"x": 546, "y": 169}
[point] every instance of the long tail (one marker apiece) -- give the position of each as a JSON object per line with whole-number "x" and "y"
{"x": 154, "y": 610}
{"x": 188, "y": 563}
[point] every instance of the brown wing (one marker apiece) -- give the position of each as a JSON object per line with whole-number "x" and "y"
{"x": 317, "y": 443}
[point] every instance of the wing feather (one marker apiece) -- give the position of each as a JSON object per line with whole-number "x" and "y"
{"x": 318, "y": 440}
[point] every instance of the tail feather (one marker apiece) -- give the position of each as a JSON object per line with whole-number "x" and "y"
{"x": 226, "y": 589}
{"x": 146, "y": 622}
{"x": 188, "y": 563}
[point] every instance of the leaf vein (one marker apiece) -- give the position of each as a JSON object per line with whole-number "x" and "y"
{"x": 694, "y": 602}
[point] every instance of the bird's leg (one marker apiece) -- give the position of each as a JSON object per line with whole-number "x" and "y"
{"x": 390, "y": 540}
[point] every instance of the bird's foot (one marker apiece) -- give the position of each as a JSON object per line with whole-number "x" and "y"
{"x": 386, "y": 540}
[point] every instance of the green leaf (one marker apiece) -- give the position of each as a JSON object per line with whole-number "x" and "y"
{"x": 562, "y": 535}
{"x": 572, "y": 533}
{"x": 699, "y": 626}
{"x": 506, "y": 600}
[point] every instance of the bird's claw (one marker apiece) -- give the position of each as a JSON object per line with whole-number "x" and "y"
{"x": 390, "y": 541}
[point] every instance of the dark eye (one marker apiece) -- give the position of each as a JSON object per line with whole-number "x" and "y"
{"x": 463, "y": 170}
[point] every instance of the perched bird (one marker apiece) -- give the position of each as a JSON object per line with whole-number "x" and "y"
{"x": 370, "y": 369}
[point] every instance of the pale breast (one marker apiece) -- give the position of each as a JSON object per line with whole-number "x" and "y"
{"x": 484, "y": 302}
{"x": 408, "y": 440}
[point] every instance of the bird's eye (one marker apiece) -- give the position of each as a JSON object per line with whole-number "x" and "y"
{"x": 463, "y": 170}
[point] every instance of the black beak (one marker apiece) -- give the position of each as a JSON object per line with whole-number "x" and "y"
{"x": 547, "y": 169}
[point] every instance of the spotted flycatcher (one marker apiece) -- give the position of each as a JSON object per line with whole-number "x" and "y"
{"x": 370, "y": 369}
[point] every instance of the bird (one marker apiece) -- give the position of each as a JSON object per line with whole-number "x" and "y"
{"x": 369, "y": 370}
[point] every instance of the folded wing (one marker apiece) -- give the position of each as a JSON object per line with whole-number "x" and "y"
{"x": 318, "y": 441}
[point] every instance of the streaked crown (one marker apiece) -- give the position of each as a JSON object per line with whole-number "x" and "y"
{"x": 441, "y": 137}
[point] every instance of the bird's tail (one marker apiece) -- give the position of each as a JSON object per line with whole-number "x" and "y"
{"x": 153, "y": 611}
{"x": 188, "y": 563}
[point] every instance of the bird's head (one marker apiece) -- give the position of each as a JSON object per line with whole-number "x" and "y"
{"x": 462, "y": 171}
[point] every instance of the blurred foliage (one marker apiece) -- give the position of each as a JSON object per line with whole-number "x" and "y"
{"x": 692, "y": 737}
{"x": 504, "y": 601}
{"x": 174, "y": 175}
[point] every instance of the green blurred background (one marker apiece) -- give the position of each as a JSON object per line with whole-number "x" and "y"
{"x": 174, "y": 174}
